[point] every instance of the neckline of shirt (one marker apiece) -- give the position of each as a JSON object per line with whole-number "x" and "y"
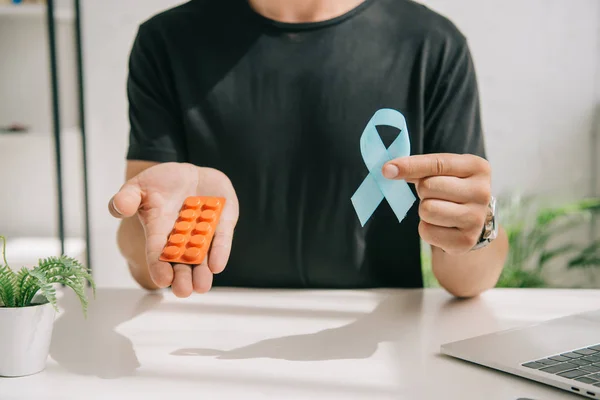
{"x": 303, "y": 26}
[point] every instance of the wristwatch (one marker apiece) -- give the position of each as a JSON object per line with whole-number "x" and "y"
{"x": 490, "y": 228}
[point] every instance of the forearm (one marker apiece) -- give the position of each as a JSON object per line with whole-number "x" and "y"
{"x": 132, "y": 245}
{"x": 470, "y": 274}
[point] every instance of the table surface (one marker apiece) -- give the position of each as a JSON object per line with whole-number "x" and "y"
{"x": 254, "y": 344}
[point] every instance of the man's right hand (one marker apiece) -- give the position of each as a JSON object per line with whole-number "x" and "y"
{"x": 156, "y": 195}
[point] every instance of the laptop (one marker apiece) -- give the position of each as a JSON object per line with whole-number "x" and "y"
{"x": 564, "y": 352}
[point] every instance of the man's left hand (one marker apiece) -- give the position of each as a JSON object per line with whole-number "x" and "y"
{"x": 455, "y": 191}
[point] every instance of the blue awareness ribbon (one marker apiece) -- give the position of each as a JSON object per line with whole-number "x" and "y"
{"x": 375, "y": 186}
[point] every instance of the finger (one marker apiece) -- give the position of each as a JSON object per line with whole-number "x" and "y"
{"x": 451, "y": 240}
{"x": 161, "y": 273}
{"x": 452, "y": 215}
{"x": 221, "y": 244}
{"x": 157, "y": 231}
{"x": 456, "y": 190}
{"x": 202, "y": 278}
{"x": 182, "y": 283}
{"x": 127, "y": 201}
{"x": 221, "y": 247}
{"x": 440, "y": 164}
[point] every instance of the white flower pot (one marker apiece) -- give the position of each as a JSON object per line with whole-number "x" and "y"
{"x": 25, "y": 335}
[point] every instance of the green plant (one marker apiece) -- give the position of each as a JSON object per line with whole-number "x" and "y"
{"x": 539, "y": 235}
{"x": 17, "y": 289}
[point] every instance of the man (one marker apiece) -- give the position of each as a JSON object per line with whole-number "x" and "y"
{"x": 264, "y": 102}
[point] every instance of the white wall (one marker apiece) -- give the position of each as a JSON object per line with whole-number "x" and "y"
{"x": 27, "y": 173}
{"x": 538, "y": 63}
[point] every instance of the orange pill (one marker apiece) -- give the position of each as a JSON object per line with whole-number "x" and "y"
{"x": 192, "y": 253}
{"x": 193, "y": 202}
{"x": 171, "y": 252}
{"x": 187, "y": 215}
{"x": 207, "y": 215}
{"x": 177, "y": 240}
{"x": 202, "y": 228}
{"x": 197, "y": 241}
{"x": 183, "y": 227}
{"x": 212, "y": 204}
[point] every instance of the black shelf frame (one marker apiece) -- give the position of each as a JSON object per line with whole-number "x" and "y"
{"x": 56, "y": 122}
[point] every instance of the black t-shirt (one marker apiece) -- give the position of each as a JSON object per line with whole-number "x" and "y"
{"x": 280, "y": 109}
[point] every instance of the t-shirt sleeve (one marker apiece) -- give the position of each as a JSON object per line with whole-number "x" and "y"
{"x": 452, "y": 113}
{"x": 156, "y": 131}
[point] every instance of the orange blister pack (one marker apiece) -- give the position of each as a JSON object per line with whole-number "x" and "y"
{"x": 190, "y": 239}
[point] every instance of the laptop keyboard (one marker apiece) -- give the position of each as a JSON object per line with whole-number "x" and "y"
{"x": 582, "y": 365}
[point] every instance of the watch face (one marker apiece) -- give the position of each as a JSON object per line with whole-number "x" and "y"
{"x": 494, "y": 210}
{"x": 490, "y": 229}
{"x": 490, "y": 221}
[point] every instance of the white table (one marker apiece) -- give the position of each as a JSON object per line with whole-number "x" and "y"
{"x": 255, "y": 344}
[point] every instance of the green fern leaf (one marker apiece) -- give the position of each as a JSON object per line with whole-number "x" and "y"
{"x": 46, "y": 287}
{"x": 9, "y": 293}
{"x": 5, "y": 286}
{"x": 589, "y": 262}
{"x": 21, "y": 277}
{"x": 547, "y": 255}
{"x": 8, "y": 285}
{"x": 588, "y": 257}
{"x": 69, "y": 272}
{"x": 78, "y": 286}
{"x": 28, "y": 286}
{"x": 80, "y": 271}
{"x": 546, "y": 217}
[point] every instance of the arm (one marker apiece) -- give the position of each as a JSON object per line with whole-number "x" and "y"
{"x": 455, "y": 193}
{"x": 469, "y": 274}
{"x": 131, "y": 238}
{"x": 159, "y": 179}
{"x": 453, "y": 125}
{"x": 155, "y": 136}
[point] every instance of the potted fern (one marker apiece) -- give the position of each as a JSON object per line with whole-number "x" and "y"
{"x": 28, "y": 306}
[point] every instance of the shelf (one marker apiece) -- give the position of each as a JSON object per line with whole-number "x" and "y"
{"x": 36, "y": 134}
{"x": 33, "y": 11}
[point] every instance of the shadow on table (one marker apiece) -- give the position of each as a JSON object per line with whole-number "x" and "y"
{"x": 359, "y": 339}
{"x": 93, "y": 346}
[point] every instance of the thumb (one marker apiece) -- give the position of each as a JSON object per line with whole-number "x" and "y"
{"x": 127, "y": 201}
